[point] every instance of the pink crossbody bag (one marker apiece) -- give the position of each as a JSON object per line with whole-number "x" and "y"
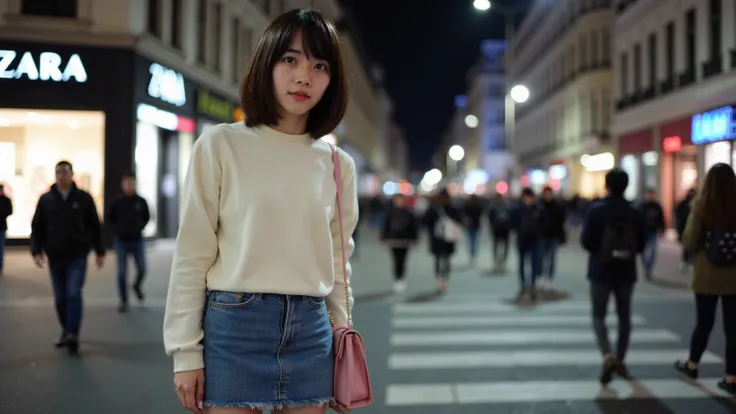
{"x": 352, "y": 384}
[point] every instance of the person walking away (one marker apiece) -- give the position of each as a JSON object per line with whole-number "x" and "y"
{"x": 400, "y": 233}
{"x": 6, "y": 210}
{"x": 553, "y": 235}
{"x": 654, "y": 222}
{"x": 710, "y": 236}
{"x": 257, "y": 282}
{"x": 682, "y": 212}
{"x": 443, "y": 222}
{"x": 613, "y": 233}
{"x": 472, "y": 211}
{"x": 528, "y": 223}
{"x": 499, "y": 218}
{"x": 64, "y": 228}
{"x": 128, "y": 216}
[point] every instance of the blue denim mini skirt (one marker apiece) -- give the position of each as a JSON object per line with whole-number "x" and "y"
{"x": 266, "y": 351}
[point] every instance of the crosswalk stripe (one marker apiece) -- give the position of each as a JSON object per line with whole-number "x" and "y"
{"x": 483, "y": 297}
{"x": 505, "y": 320}
{"x": 99, "y": 302}
{"x": 539, "y": 358}
{"x": 539, "y": 391}
{"x": 461, "y": 307}
{"x": 520, "y": 337}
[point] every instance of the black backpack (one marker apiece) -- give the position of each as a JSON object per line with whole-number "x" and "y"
{"x": 720, "y": 247}
{"x": 619, "y": 242}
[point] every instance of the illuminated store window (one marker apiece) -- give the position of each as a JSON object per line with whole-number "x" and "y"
{"x": 32, "y": 142}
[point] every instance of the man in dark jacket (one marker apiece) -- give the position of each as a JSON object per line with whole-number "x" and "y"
{"x": 65, "y": 227}
{"x": 553, "y": 235}
{"x": 528, "y": 222}
{"x": 653, "y": 215}
{"x": 6, "y": 209}
{"x": 614, "y": 234}
{"x": 128, "y": 216}
{"x": 500, "y": 218}
{"x": 682, "y": 212}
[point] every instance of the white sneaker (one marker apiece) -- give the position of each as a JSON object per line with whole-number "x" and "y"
{"x": 400, "y": 286}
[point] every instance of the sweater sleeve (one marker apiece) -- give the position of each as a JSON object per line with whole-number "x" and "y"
{"x": 341, "y": 296}
{"x": 195, "y": 253}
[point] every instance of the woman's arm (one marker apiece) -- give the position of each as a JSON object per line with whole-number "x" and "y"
{"x": 342, "y": 295}
{"x": 196, "y": 251}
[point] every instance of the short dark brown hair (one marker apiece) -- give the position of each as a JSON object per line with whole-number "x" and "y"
{"x": 320, "y": 39}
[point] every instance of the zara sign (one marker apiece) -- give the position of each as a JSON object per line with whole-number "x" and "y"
{"x": 167, "y": 85}
{"x": 47, "y": 66}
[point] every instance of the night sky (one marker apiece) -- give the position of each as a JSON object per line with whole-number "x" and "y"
{"x": 426, "y": 49}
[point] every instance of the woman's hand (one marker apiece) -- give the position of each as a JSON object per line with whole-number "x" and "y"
{"x": 339, "y": 408}
{"x": 190, "y": 389}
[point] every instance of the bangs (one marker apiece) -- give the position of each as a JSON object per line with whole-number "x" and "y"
{"x": 319, "y": 39}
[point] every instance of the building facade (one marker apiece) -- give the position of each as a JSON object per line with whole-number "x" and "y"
{"x": 562, "y": 53}
{"x": 675, "y": 64}
{"x": 127, "y": 85}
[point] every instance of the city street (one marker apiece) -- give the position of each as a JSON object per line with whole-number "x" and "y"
{"x": 470, "y": 351}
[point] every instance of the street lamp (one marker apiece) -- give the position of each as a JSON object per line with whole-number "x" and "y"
{"x": 482, "y": 5}
{"x": 456, "y": 152}
{"x": 471, "y": 121}
{"x": 454, "y": 155}
{"x": 519, "y": 93}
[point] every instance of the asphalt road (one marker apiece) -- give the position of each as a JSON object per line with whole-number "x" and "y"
{"x": 470, "y": 351}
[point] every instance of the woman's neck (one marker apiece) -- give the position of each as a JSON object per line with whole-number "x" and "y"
{"x": 292, "y": 124}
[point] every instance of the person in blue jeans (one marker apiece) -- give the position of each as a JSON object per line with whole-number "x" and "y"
{"x": 64, "y": 228}
{"x": 553, "y": 235}
{"x": 528, "y": 223}
{"x": 128, "y": 216}
{"x": 6, "y": 209}
{"x": 472, "y": 211}
{"x": 653, "y": 215}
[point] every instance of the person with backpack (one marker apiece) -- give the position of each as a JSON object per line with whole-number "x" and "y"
{"x": 444, "y": 224}
{"x": 528, "y": 220}
{"x": 400, "y": 233}
{"x": 710, "y": 237}
{"x": 614, "y": 234}
{"x": 500, "y": 220}
{"x": 654, "y": 219}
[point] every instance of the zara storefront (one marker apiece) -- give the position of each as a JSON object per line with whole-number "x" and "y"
{"x": 106, "y": 110}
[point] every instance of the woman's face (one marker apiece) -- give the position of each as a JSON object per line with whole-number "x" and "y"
{"x": 299, "y": 80}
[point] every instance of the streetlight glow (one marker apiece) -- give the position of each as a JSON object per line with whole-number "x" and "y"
{"x": 456, "y": 153}
{"x": 519, "y": 93}
{"x": 482, "y": 5}
{"x": 471, "y": 121}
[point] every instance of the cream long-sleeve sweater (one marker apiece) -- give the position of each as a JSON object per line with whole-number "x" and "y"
{"x": 258, "y": 214}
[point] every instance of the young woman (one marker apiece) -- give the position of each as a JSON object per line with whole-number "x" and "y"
{"x": 257, "y": 274}
{"x": 400, "y": 232}
{"x": 443, "y": 223}
{"x": 710, "y": 236}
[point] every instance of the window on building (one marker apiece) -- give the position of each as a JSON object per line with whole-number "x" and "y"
{"x": 716, "y": 17}
{"x": 154, "y": 17}
{"x": 637, "y": 68}
{"x": 202, "y": 32}
{"x": 652, "y": 53}
{"x": 690, "y": 38}
{"x": 594, "y": 58}
{"x": 235, "y": 49}
{"x": 583, "y": 53}
{"x": 624, "y": 75}
{"x": 218, "y": 36}
{"x": 606, "y": 110}
{"x": 594, "y": 126}
{"x": 176, "y": 23}
{"x": 606, "y": 37}
{"x": 50, "y": 8}
{"x": 670, "y": 55}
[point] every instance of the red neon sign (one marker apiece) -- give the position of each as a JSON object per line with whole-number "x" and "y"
{"x": 672, "y": 144}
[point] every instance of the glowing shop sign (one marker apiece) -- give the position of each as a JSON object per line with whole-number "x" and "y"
{"x": 49, "y": 66}
{"x": 167, "y": 85}
{"x": 672, "y": 144}
{"x": 164, "y": 119}
{"x": 713, "y": 126}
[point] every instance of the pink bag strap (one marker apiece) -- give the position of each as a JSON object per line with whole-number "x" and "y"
{"x": 338, "y": 186}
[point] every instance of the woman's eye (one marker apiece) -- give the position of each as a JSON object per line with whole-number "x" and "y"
{"x": 320, "y": 66}
{"x": 289, "y": 59}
